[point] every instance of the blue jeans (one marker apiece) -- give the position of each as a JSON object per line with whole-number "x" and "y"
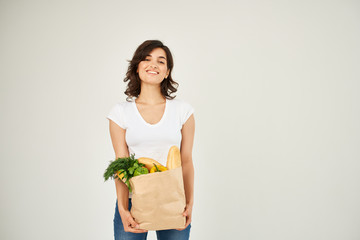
{"x": 170, "y": 234}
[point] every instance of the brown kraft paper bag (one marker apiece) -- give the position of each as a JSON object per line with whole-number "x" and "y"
{"x": 158, "y": 200}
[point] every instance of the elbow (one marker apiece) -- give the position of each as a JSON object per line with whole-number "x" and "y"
{"x": 187, "y": 163}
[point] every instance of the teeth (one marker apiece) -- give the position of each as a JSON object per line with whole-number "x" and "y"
{"x": 152, "y": 72}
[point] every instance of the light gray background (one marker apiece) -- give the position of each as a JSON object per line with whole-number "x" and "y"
{"x": 274, "y": 84}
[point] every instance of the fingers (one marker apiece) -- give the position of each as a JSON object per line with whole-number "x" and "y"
{"x": 186, "y": 225}
{"x": 187, "y": 211}
{"x": 132, "y": 226}
{"x": 134, "y": 229}
{"x": 180, "y": 229}
{"x": 188, "y": 221}
{"x": 132, "y": 223}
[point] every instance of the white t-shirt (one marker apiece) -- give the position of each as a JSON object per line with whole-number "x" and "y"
{"x": 151, "y": 140}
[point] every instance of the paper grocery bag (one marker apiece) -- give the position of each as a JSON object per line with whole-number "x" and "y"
{"x": 158, "y": 200}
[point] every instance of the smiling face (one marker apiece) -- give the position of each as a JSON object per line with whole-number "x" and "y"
{"x": 153, "y": 69}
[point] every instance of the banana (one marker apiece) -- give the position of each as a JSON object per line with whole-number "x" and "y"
{"x": 149, "y": 162}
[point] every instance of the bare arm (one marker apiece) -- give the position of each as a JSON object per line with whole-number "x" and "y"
{"x": 188, "y": 132}
{"x": 120, "y": 147}
{"x": 122, "y": 192}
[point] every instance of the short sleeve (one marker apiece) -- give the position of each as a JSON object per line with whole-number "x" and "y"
{"x": 116, "y": 114}
{"x": 187, "y": 110}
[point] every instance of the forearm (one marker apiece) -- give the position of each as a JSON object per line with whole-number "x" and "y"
{"x": 188, "y": 177}
{"x": 122, "y": 193}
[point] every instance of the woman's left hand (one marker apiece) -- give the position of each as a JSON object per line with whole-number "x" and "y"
{"x": 187, "y": 212}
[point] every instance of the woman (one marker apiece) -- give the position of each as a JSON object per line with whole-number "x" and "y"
{"x": 148, "y": 126}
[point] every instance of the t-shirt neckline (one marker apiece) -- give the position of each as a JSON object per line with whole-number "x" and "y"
{"x": 143, "y": 120}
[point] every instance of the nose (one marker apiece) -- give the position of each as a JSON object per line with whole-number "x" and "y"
{"x": 153, "y": 64}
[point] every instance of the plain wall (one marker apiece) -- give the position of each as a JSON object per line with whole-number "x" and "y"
{"x": 275, "y": 87}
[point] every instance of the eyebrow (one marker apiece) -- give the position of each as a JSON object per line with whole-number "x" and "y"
{"x": 149, "y": 55}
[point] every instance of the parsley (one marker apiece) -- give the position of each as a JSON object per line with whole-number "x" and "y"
{"x": 128, "y": 165}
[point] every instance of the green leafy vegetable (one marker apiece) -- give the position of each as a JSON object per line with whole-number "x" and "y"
{"x": 129, "y": 166}
{"x": 140, "y": 170}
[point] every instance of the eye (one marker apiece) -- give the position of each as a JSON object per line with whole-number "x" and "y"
{"x": 149, "y": 60}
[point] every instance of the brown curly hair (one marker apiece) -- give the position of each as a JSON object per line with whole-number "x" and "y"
{"x": 167, "y": 86}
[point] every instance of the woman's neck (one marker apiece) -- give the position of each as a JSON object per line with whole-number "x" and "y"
{"x": 150, "y": 94}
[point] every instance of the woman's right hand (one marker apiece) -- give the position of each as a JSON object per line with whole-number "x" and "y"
{"x": 129, "y": 223}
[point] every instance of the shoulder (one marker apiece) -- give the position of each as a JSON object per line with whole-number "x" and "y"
{"x": 118, "y": 113}
{"x": 123, "y": 105}
{"x": 184, "y": 109}
{"x": 181, "y": 103}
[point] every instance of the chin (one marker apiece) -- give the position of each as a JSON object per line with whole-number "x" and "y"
{"x": 153, "y": 82}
